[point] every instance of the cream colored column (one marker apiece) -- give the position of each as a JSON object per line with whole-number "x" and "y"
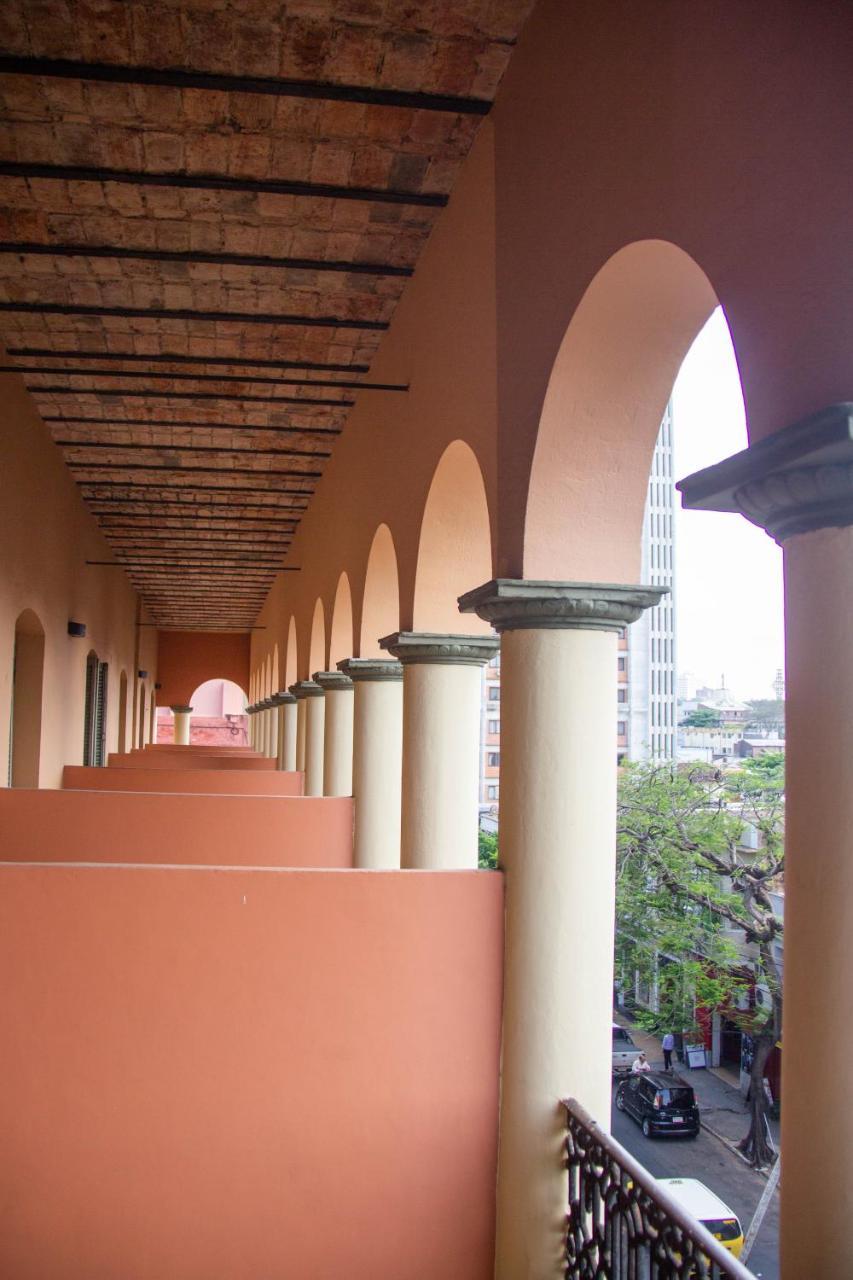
{"x": 803, "y": 496}
{"x": 301, "y": 724}
{"x": 152, "y": 729}
{"x": 287, "y": 717}
{"x": 558, "y": 851}
{"x": 337, "y": 762}
{"x": 273, "y": 714}
{"x": 441, "y": 743}
{"x": 377, "y": 762}
{"x": 314, "y": 713}
{"x": 265, "y": 728}
{"x": 182, "y": 725}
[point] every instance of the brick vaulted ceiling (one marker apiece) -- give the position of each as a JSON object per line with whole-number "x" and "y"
{"x": 208, "y": 210}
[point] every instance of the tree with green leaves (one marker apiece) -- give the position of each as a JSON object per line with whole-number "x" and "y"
{"x": 767, "y": 715}
{"x": 487, "y": 851}
{"x": 702, "y": 718}
{"x": 694, "y": 912}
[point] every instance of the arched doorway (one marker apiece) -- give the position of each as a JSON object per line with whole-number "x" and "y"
{"x": 25, "y": 725}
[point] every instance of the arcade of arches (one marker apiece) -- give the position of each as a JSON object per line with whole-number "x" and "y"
{"x": 337, "y": 338}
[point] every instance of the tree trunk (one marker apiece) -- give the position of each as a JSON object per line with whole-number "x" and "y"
{"x": 755, "y": 1145}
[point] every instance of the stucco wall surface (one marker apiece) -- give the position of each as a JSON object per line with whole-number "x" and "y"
{"x": 248, "y": 1074}
{"x": 174, "y": 760}
{"x": 46, "y": 536}
{"x": 103, "y": 826}
{"x": 198, "y": 781}
{"x": 186, "y": 659}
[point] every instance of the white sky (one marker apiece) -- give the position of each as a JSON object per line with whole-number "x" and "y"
{"x": 728, "y": 572}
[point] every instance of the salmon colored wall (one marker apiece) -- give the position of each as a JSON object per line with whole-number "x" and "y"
{"x": 248, "y": 1074}
{"x": 170, "y": 760}
{"x": 200, "y": 781}
{"x": 442, "y": 343}
{"x": 714, "y": 131}
{"x": 187, "y": 659}
{"x": 46, "y": 536}
{"x": 104, "y": 826}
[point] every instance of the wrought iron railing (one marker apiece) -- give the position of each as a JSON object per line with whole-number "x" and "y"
{"x": 622, "y": 1225}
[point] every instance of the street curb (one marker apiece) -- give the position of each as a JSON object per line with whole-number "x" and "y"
{"x": 727, "y": 1142}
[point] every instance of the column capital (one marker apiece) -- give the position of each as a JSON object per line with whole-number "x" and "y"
{"x": 175, "y": 710}
{"x": 360, "y": 669}
{"x": 795, "y": 481}
{"x": 520, "y": 604}
{"x": 427, "y": 647}
{"x": 305, "y": 689}
{"x": 281, "y": 698}
{"x": 332, "y": 681}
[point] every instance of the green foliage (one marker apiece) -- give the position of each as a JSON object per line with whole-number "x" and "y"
{"x": 487, "y": 851}
{"x": 686, "y": 887}
{"x": 702, "y": 718}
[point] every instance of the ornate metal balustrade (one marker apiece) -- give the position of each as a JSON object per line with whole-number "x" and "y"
{"x": 622, "y": 1225}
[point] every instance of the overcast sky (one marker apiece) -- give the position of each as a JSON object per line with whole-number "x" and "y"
{"x": 729, "y": 573}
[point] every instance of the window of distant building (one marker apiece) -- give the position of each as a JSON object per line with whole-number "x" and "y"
{"x": 622, "y": 695}
{"x": 622, "y": 664}
{"x": 622, "y": 728}
{"x": 492, "y": 793}
{"x": 494, "y": 693}
{"x": 494, "y": 757}
{"x": 494, "y": 726}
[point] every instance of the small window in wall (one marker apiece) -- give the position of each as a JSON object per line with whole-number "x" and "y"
{"x": 492, "y": 793}
{"x": 622, "y": 695}
{"x": 494, "y": 758}
{"x": 494, "y": 693}
{"x": 622, "y": 664}
{"x": 95, "y": 712}
{"x": 494, "y": 726}
{"x": 622, "y": 728}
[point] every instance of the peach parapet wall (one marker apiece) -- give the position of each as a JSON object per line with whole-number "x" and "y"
{"x": 199, "y": 781}
{"x": 103, "y": 826}
{"x": 220, "y": 1074}
{"x": 176, "y": 761}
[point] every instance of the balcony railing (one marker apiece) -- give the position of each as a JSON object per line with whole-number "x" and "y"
{"x": 622, "y": 1225}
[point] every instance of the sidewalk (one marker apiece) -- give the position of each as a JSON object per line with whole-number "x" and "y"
{"x": 722, "y": 1108}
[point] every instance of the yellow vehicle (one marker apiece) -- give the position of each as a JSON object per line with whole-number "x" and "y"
{"x": 714, "y": 1214}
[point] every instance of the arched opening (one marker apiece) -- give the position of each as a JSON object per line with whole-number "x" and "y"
{"x": 95, "y": 711}
{"x": 380, "y": 610}
{"x": 291, "y": 662}
{"x": 340, "y": 636}
{"x": 218, "y": 717}
{"x": 317, "y": 647}
{"x": 455, "y": 548}
{"x": 27, "y": 682}
{"x": 122, "y": 713}
{"x": 602, "y": 411}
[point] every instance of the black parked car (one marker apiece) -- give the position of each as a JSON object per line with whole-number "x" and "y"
{"x": 660, "y": 1102}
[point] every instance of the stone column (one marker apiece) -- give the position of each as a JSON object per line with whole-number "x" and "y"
{"x": 297, "y": 693}
{"x": 182, "y": 725}
{"x": 273, "y": 733}
{"x": 798, "y": 485}
{"x": 377, "y": 763}
{"x": 313, "y": 707}
{"x": 264, "y": 745}
{"x": 558, "y": 851}
{"x": 337, "y": 765}
{"x": 287, "y": 712}
{"x": 441, "y": 743}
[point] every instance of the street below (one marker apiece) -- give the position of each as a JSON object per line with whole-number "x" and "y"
{"x": 707, "y": 1159}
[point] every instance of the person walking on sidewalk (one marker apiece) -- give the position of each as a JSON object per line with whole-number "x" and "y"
{"x": 667, "y": 1044}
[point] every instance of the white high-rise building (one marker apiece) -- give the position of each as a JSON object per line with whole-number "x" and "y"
{"x": 650, "y": 709}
